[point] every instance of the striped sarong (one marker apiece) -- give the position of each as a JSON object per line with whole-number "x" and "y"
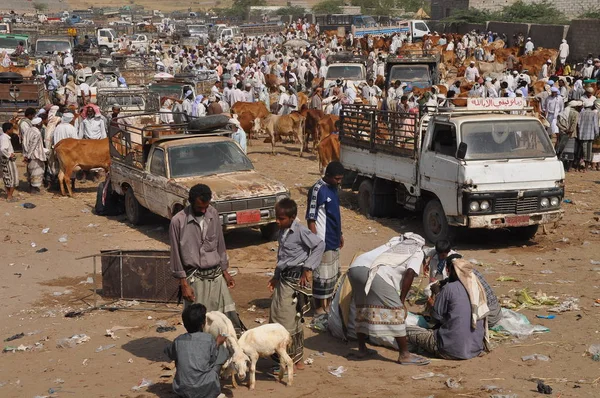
{"x": 10, "y": 174}
{"x": 35, "y": 171}
{"x": 326, "y": 275}
{"x": 289, "y": 305}
{"x": 210, "y": 289}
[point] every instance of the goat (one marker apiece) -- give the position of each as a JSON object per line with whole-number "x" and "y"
{"x": 264, "y": 341}
{"x": 217, "y": 324}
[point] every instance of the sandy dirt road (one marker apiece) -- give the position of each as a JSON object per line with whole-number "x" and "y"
{"x": 37, "y": 289}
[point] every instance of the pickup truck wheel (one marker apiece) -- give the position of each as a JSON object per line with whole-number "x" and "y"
{"x": 269, "y": 231}
{"x": 524, "y": 233}
{"x": 104, "y": 50}
{"x": 133, "y": 209}
{"x": 435, "y": 223}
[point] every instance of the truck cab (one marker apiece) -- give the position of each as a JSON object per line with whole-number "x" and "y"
{"x": 416, "y": 29}
{"x": 5, "y": 27}
{"x": 46, "y": 45}
{"x": 347, "y": 67}
{"x": 107, "y": 39}
{"x": 139, "y": 41}
{"x": 230, "y": 33}
{"x": 484, "y": 166}
{"x": 413, "y": 68}
{"x": 9, "y": 42}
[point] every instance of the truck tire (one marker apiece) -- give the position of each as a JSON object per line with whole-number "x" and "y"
{"x": 435, "y": 223}
{"x": 104, "y": 50}
{"x": 365, "y": 198}
{"x": 524, "y": 233}
{"x": 133, "y": 209}
{"x": 269, "y": 231}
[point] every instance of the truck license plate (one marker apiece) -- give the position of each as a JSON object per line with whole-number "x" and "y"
{"x": 517, "y": 220}
{"x": 248, "y": 216}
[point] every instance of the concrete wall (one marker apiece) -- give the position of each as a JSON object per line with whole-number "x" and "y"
{"x": 509, "y": 29}
{"x": 443, "y": 8}
{"x": 583, "y": 38}
{"x": 547, "y": 36}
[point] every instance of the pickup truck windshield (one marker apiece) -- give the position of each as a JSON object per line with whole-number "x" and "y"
{"x": 346, "y": 72}
{"x": 197, "y": 29}
{"x": 9, "y": 43}
{"x": 50, "y": 46}
{"x": 518, "y": 139}
{"x": 207, "y": 158}
{"x": 410, "y": 73}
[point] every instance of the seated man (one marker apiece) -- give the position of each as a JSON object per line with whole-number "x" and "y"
{"x": 455, "y": 336}
{"x": 439, "y": 272}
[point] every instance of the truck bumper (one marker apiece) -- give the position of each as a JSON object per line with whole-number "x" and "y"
{"x": 230, "y": 221}
{"x": 494, "y": 221}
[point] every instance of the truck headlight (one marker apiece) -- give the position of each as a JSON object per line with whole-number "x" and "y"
{"x": 281, "y": 196}
{"x": 484, "y": 205}
{"x": 545, "y": 202}
{"x": 474, "y": 206}
{"x": 554, "y": 202}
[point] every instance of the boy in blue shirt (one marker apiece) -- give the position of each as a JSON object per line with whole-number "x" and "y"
{"x": 198, "y": 357}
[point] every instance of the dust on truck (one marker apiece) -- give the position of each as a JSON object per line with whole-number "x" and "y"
{"x": 463, "y": 168}
{"x": 155, "y": 165}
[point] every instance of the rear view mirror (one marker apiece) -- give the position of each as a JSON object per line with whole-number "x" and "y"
{"x": 462, "y": 151}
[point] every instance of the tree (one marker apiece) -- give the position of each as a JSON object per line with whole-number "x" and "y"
{"x": 328, "y": 7}
{"x": 294, "y": 11}
{"x": 40, "y": 7}
{"x": 472, "y": 15}
{"x": 541, "y": 12}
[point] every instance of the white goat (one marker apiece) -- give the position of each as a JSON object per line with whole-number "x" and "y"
{"x": 264, "y": 341}
{"x": 217, "y": 324}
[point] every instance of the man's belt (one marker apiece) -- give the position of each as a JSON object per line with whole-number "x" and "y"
{"x": 206, "y": 273}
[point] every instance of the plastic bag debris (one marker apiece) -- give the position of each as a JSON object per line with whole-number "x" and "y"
{"x": 15, "y": 337}
{"x": 309, "y": 361}
{"x": 507, "y": 279}
{"x": 70, "y": 342}
{"x": 337, "y": 372}
{"x": 569, "y": 304}
{"x": 517, "y": 324}
{"x": 42, "y": 250}
{"x": 88, "y": 281}
{"x": 63, "y": 239}
{"x": 535, "y": 357}
{"x": 252, "y": 308}
{"x": 260, "y": 320}
{"x": 504, "y": 396}
{"x": 143, "y": 384}
{"x": 594, "y": 262}
{"x": 546, "y": 271}
{"x": 105, "y": 347}
{"x": 594, "y": 351}
{"x": 427, "y": 375}
{"x": 543, "y": 388}
{"x": 452, "y": 383}
{"x": 28, "y": 205}
{"x": 33, "y": 244}
{"x": 45, "y": 230}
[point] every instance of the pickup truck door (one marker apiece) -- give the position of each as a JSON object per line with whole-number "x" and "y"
{"x": 438, "y": 166}
{"x": 155, "y": 182}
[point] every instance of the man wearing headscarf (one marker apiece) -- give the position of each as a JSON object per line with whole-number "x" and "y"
{"x": 187, "y": 103}
{"x": 34, "y": 155}
{"x": 93, "y": 127}
{"x": 567, "y": 125}
{"x": 563, "y": 52}
{"x": 198, "y": 108}
{"x": 10, "y": 173}
{"x": 65, "y": 129}
{"x": 248, "y": 93}
{"x": 588, "y": 132}
{"x": 166, "y": 113}
{"x": 239, "y": 135}
{"x": 553, "y": 106}
{"x": 71, "y": 92}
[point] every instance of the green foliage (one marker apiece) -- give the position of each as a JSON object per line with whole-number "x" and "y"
{"x": 328, "y": 7}
{"x": 40, "y": 7}
{"x": 240, "y": 8}
{"x": 411, "y": 5}
{"x": 291, "y": 10}
{"x": 591, "y": 13}
{"x": 542, "y": 12}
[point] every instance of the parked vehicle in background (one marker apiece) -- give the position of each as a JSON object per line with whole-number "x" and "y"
{"x": 9, "y": 42}
{"x": 139, "y": 41}
{"x": 47, "y": 45}
{"x": 107, "y": 40}
{"x": 230, "y": 33}
{"x": 5, "y": 27}
{"x": 473, "y": 167}
{"x": 414, "y": 68}
{"x": 347, "y": 67}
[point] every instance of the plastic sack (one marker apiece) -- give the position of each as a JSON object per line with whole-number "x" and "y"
{"x": 517, "y": 324}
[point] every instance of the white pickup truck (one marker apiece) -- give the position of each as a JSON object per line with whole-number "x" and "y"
{"x": 471, "y": 167}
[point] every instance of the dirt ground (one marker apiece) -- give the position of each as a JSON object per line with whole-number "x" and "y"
{"x": 37, "y": 289}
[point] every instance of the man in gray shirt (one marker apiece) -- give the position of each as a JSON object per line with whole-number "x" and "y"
{"x": 199, "y": 258}
{"x": 453, "y": 337}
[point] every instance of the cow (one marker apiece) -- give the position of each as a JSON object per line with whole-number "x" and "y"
{"x": 328, "y": 150}
{"x": 25, "y": 71}
{"x": 271, "y": 81}
{"x": 276, "y": 126}
{"x": 246, "y": 120}
{"x": 256, "y": 109}
{"x": 73, "y": 154}
{"x": 313, "y": 116}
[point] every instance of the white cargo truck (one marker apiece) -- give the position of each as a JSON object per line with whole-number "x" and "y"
{"x": 487, "y": 165}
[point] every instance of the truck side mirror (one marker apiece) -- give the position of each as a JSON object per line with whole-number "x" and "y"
{"x": 462, "y": 151}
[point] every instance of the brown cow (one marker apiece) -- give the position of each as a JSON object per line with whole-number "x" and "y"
{"x": 73, "y": 154}
{"x": 25, "y": 71}
{"x": 328, "y": 151}
{"x": 313, "y": 116}
{"x": 276, "y": 126}
{"x": 271, "y": 81}
{"x": 246, "y": 120}
{"x": 256, "y": 109}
